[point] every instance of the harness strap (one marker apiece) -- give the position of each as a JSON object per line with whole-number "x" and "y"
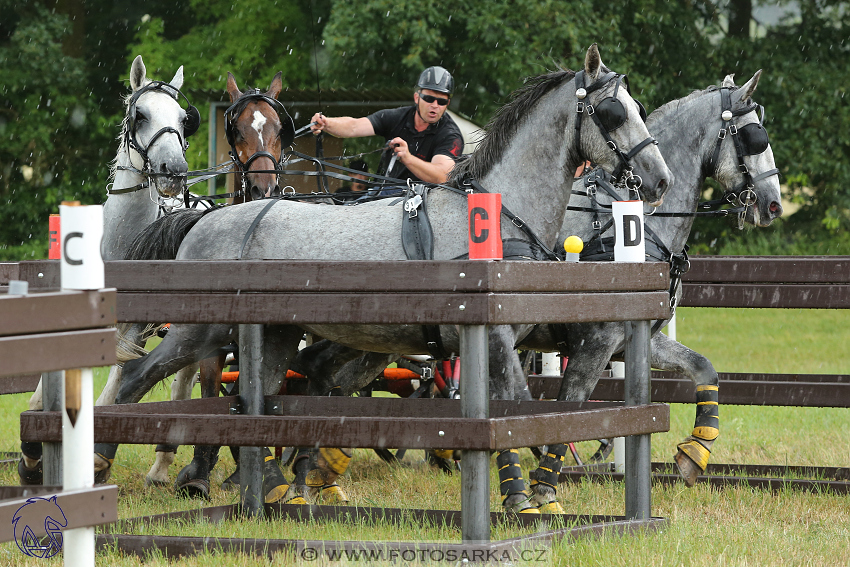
{"x": 254, "y": 224}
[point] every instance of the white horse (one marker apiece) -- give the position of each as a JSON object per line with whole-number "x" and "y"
{"x": 148, "y": 176}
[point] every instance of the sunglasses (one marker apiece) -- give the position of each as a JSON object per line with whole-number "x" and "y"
{"x": 430, "y": 99}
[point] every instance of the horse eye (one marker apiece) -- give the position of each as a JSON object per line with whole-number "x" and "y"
{"x": 140, "y": 116}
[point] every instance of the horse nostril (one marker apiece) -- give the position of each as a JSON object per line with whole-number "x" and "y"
{"x": 256, "y": 193}
{"x": 275, "y": 192}
{"x": 775, "y": 209}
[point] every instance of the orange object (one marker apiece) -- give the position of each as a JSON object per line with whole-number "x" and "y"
{"x": 400, "y": 374}
{"x": 54, "y": 252}
{"x": 230, "y": 377}
{"x": 485, "y": 238}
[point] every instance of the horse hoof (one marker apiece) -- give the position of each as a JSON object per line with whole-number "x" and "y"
{"x": 520, "y": 503}
{"x": 102, "y": 469}
{"x": 231, "y": 482}
{"x": 155, "y": 482}
{"x": 333, "y": 494}
{"x": 688, "y": 469}
{"x": 194, "y": 488}
{"x": 31, "y": 476}
{"x": 295, "y": 495}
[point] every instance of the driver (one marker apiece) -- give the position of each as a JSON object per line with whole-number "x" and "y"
{"x": 424, "y": 139}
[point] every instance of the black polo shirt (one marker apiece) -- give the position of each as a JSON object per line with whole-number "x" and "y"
{"x": 442, "y": 138}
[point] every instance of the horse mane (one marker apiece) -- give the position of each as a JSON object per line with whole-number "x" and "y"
{"x": 674, "y": 105}
{"x": 504, "y": 124}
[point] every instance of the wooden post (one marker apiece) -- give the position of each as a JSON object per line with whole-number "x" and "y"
{"x": 638, "y": 475}
{"x": 52, "y": 398}
{"x": 251, "y": 395}
{"x": 475, "y": 403}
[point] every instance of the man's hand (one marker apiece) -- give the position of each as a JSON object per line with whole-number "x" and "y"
{"x": 320, "y": 123}
{"x": 400, "y": 149}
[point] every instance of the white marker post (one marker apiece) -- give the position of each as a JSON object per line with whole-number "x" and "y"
{"x": 629, "y": 246}
{"x": 81, "y": 268}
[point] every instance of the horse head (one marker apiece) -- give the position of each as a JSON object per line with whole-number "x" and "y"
{"x": 258, "y": 129}
{"x": 744, "y": 163}
{"x": 156, "y": 127}
{"x": 619, "y": 142}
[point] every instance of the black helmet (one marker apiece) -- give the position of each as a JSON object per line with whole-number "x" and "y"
{"x": 436, "y": 79}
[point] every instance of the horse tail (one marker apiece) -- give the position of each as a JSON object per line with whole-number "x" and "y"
{"x": 161, "y": 239}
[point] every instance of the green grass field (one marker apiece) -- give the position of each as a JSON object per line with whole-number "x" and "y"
{"x": 707, "y": 527}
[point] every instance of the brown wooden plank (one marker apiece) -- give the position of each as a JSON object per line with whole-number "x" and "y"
{"x": 19, "y": 384}
{"x": 732, "y": 392}
{"x": 46, "y": 352}
{"x": 56, "y": 311}
{"x": 82, "y": 508}
{"x": 370, "y": 431}
{"x": 258, "y": 431}
{"x": 373, "y": 308}
{"x": 786, "y": 296}
{"x": 585, "y": 425}
{"x": 769, "y": 269}
{"x": 380, "y": 277}
{"x": 40, "y": 274}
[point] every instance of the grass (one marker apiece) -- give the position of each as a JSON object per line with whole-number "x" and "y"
{"x": 706, "y": 526}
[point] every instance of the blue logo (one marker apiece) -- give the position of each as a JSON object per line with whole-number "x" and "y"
{"x": 39, "y": 515}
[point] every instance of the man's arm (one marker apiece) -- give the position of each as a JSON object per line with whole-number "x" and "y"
{"x": 342, "y": 126}
{"x": 434, "y": 171}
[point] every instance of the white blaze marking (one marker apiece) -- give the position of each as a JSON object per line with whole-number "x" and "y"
{"x": 257, "y": 124}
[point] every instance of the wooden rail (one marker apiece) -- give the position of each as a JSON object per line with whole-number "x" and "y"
{"x": 44, "y": 332}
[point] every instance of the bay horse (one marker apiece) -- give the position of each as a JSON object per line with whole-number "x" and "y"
{"x": 533, "y": 145}
{"x": 148, "y": 171}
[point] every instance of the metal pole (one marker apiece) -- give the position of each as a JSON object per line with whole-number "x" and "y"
{"x": 474, "y": 403}
{"x": 251, "y": 396}
{"x": 52, "y": 391}
{"x": 638, "y": 474}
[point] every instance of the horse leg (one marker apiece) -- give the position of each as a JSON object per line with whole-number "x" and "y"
{"x": 515, "y": 498}
{"x": 182, "y": 346}
{"x": 181, "y": 389}
{"x": 280, "y": 346}
{"x": 193, "y": 480}
{"x": 337, "y": 369}
{"x": 693, "y": 453}
{"x": 30, "y": 466}
{"x": 588, "y": 357}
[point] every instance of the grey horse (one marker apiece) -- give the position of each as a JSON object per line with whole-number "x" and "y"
{"x": 533, "y": 141}
{"x": 687, "y": 131}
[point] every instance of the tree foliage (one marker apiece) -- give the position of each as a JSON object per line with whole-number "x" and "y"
{"x": 65, "y": 65}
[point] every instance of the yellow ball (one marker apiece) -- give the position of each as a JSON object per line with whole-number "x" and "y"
{"x": 573, "y": 244}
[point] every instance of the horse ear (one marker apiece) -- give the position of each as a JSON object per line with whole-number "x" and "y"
{"x": 729, "y": 81}
{"x": 592, "y": 63}
{"x": 177, "y": 81}
{"x": 137, "y": 74}
{"x": 232, "y": 89}
{"x": 276, "y": 86}
{"x": 746, "y": 92}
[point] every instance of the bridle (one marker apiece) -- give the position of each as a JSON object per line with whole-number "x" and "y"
{"x": 751, "y": 139}
{"x": 609, "y": 115}
{"x": 131, "y": 142}
{"x": 286, "y": 134}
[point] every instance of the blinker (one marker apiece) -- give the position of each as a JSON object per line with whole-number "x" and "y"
{"x": 754, "y": 139}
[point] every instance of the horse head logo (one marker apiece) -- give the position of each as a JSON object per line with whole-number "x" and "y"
{"x": 39, "y": 516}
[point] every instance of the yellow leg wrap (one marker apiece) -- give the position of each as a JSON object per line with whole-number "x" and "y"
{"x": 335, "y": 459}
{"x": 696, "y": 452}
{"x": 447, "y": 454}
{"x": 707, "y": 433}
{"x": 278, "y": 492}
{"x": 553, "y": 507}
{"x": 333, "y": 494}
{"x": 315, "y": 479}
